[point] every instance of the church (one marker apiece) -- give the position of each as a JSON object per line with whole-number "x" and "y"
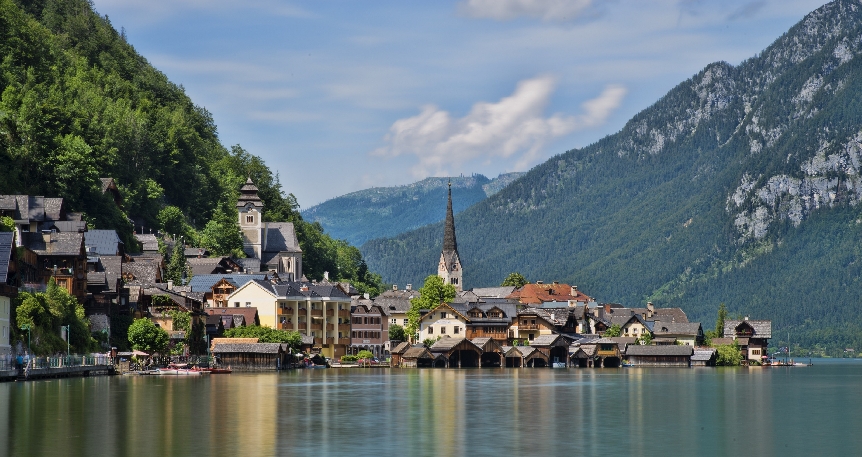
{"x": 449, "y": 268}
{"x": 270, "y": 246}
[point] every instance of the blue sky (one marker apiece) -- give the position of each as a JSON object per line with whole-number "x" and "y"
{"x": 344, "y": 95}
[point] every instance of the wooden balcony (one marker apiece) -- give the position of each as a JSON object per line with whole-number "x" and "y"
{"x": 330, "y": 327}
{"x": 317, "y": 312}
{"x": 330, "y": 312}
{"x": 523, "y": 326}
{"x": 344, "y": 313}
{"x": 344, "y": 341}
{"x": 316, "y": 326}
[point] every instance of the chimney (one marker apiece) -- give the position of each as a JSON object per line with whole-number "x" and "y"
{"x": 556, "y": 283}
{"x": 607, "y": 307}
{"x": 367, "y": 295}
{"x": 574, "y": 291}
{"x": 170, "y": 284}
{"x": 394, "y": 287}
{"x": 650, "y": 310}
{"x": 409, "y": 287}
{"x": 326, "y": 276}
{"x": 540, "y": 282}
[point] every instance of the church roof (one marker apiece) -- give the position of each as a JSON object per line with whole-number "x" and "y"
{"x": 280, "y": 237}
{"x": 450, "y": 244}
{"x": 248, "y": 194}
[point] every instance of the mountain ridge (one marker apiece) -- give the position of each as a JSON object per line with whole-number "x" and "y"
{"x": 694, "y": 199}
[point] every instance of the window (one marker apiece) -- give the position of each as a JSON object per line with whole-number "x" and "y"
{"x": 248, "y": 304}
{"x": 394, "y": 321}
{"x": 236, "y": 304}
{"x": 456, "y": 330}
{"x": 443, "y": 330}
{"x": 430, "y": 330}
{"x": 249, "y": 219}
{"x": 405, "y": 321}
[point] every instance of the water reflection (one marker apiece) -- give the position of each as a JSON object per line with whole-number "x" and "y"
{"x": 632, "y": 412}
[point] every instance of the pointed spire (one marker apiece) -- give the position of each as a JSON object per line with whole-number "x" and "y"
{"x": 449, "y": 242}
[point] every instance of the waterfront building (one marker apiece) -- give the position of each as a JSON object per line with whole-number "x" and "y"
{"x": 369, "y": 327}
{"x": 449, "y": 269}
{"x": 8, "y": 290}
{"x": 321, "y": 311}
{"x": 752, "y": 336}
{"x": 444, "y": 321}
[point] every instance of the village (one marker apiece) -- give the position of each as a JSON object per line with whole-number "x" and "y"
{"x": 530, "y": 325}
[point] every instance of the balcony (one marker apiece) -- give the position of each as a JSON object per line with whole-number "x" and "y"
{"x": 317, "y": 312}
{"x": 330, "y": 312}
{"x": 344, "y": 313}
{"x": 316, "y": 326}
{"x": 523, "y": 326}
{"x": 330, "y": 327}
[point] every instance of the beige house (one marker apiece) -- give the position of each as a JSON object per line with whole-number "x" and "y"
{"x": 530, "y": 324}
{"x": 321, "y": 311}
{"x": 442, "y": 321}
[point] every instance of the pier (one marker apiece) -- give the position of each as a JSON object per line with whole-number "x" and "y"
{"x": 58, "y": 367}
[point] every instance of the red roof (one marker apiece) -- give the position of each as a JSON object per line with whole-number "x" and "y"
{"x": 535, "y": 294}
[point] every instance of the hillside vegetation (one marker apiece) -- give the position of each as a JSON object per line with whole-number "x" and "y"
{"x": 741, "y": 185}
{"x": 78, "y": 103}
{"x": 388, "y": 211}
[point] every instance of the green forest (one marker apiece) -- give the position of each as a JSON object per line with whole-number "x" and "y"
{"x": 739, "y": 186}
{"x": 77, "y": 103}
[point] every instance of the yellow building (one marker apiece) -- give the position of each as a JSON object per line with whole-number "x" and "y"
{"x": 321, "y": 311}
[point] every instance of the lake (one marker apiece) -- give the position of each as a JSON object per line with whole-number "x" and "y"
{"x": 444, "y": 412}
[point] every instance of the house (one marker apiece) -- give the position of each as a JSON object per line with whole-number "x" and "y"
{"x": 149, "y": 243}
{"x": 659, "y": 356}
{"x": 752, "y": 337}
{"x": 492, "y": 352}
{"x": 531, "y": 323}
{"x": 538, "y": 293}
{"x": 684, "y": 333}
{"x": 319, "y": 311}
{"x": 105, "y": 294}
{"x": 8, "y": 290}
{"x": 606, "y": 352}
{"x": 444, "y": 322}
{"x": 103, "y": 242}
{"x": 61, "y": 256}
{"x": 36, "y": 213}
{"x": 396, "y": 303}
{"x": 632, "y": 325}
{"x": 369, "y": 327}
{"x": 234, "y": 317}
{"x": 488, "y": 318}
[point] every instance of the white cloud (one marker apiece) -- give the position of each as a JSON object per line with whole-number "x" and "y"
{"x": 548, "y": 10}
{"x": 514, "y": 127}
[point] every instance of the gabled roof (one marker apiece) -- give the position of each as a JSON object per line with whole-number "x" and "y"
{"x": 417, "y": 353}
{"x": 54, "y": 244}
{"x": 280, "y": 237}
{"x": 102, "y": 242}
{"x": 762, "y": 329}
{"x": 670, "y": 315}
{"x": 661, "y": 328}
{"x": 703, "y": 355}
{"x": 141, "y": 271}
{"x": 444, "y": 307}
{"x": 551, "y": 340}
{"x": 401, "y": 348}
{"x": 448, "y": 344}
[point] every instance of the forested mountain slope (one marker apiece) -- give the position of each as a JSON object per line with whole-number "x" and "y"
{"x": 78, "y": 103}
{"x": 388, "y": 211}
{"x": 741, "y": 185}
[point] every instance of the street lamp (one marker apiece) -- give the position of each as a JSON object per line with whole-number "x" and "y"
{"x": 68, "y": 329}
{"x": 27, "y": 327}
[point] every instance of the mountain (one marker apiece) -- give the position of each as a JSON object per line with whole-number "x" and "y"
{"x": 740, "y": 186}
{"x": 78, "y": 103}
{"x": 388, "y": 211}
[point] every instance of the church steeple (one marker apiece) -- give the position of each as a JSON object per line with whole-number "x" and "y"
{"x": 449, "y": 268}
{"x": 250, "y": 211}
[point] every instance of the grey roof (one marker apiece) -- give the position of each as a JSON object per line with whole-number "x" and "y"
{"x": 251, "y": 265}
{"x": 205, "y": 283}
{"x": 149, "y": 242}
{"x": 661, "y": 328}
{"x": 64, "y": 226}
{"x": 286, "y": 289}
{"x": 548, "y": 340}
{"x": 102, "y": 242}
{"x": 703, "y": 355}
{"x": 418, "y": 353}
{"x": 669, "y": 350}
{"x": 670, "y": 315}
{"x": 280, "y": 237}
{"x": 6, "y": 239}
{"x": 450, "y": 244}
{"x": 401, "y": 348}
{"x": 446, "y": 344}
{"x": 762, "y": 329}
{"x": 112, "y": 266}
{"x": 248, "y": 194}
{"x": 54, "y": 244}
{"x": 27, "y": 208}
{"x": 194, "y": 252}
{"x": 493, "y": 292}
{"x": 253, "y": 348}
{"x": 142, "y": 272}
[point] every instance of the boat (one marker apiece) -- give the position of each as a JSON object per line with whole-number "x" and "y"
{"x": 559, "y": 365}
{"x": 178, "y": 372}
{"x": 217, "y": 370}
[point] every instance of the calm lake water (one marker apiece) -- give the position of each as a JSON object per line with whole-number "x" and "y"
{"x": 369, "y": 412}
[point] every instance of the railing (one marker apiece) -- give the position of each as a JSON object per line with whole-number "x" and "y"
{"x": 330, "y": 312}
{"x": 317, "y": 312}
{"x": 528, "y": 326}
{"x": 69, "y": 361}
{"x": 330, "y": 327}
{"x": 317, "y": 326}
